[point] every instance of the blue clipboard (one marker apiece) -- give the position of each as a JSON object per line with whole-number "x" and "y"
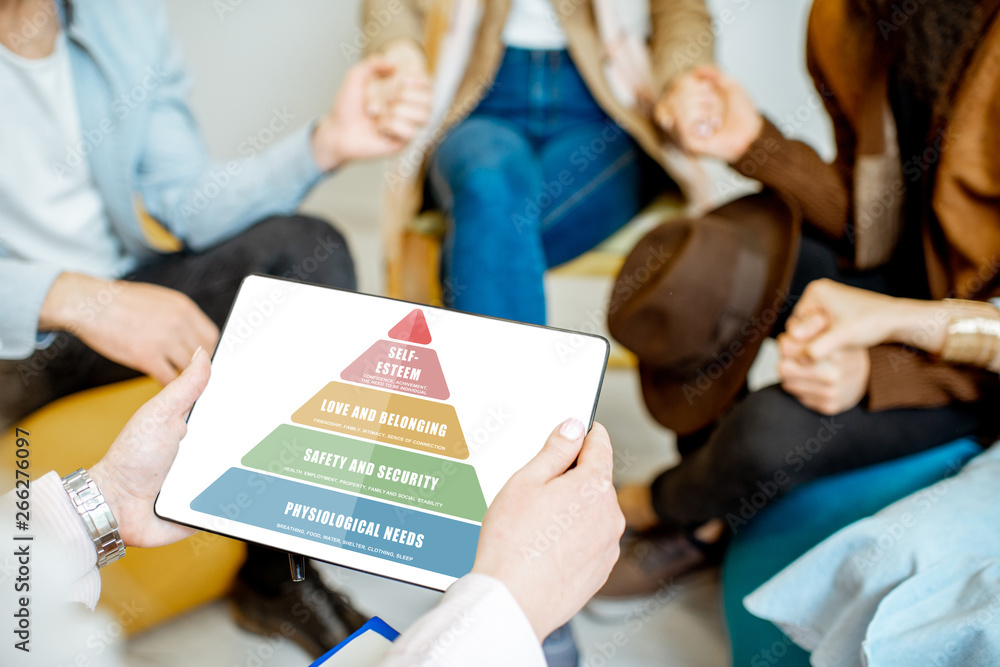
{"x": 382, "y": 633}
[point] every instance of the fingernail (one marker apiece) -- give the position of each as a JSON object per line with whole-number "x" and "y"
{"x": 571, "y": 429}
{"x": 196, "y": 353}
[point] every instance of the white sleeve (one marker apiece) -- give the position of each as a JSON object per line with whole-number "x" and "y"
{"x": 56, "y": 522}
{"x": 477, "y": 622}
{"x": 49, "y": 567}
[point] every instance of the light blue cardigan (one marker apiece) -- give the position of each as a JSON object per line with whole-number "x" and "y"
{"x": 131, "y": 89}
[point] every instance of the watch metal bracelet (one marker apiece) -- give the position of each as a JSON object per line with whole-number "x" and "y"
{"x": 96, "y": 515}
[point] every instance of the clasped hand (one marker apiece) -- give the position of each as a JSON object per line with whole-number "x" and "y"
{"x": 708, "y": 113}
{"x": 825, "y": 362}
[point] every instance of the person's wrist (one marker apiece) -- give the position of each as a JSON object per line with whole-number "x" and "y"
{"x": 895, "y": 322}
{"x": 97, "y": 510}
{"x": 58, "y": 310}
{"x": 104, "y": 482}
{"x": 406, "y": 53}
{"x": 409, "y": 60}
{"x": 65, "y": 307}
{"x": 752, "y": 131}
{"x": 116, "y": 500}
{"x": 534, "y": 616}
{"x": 509, "y": 581}
{"x": 920, "y": 324}
{"x": 326, "y": 149}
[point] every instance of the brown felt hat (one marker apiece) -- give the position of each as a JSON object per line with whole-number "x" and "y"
{"x": 695, "y": 300}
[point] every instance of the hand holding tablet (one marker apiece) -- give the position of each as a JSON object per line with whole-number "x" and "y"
{"x": 551, "y": 535}
{"x": 531, "y": 537}
{"x": 371, "y": 433}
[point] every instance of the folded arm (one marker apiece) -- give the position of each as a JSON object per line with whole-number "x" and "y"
{"x": 24, "y": 286}
{"x": 919, "y": 353}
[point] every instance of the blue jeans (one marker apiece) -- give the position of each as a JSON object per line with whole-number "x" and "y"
{"x": 537, "y": 175}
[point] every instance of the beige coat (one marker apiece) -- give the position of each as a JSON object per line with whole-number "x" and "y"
{"x": 681, "y": 38}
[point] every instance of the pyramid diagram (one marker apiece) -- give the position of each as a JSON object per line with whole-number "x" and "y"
{"x": 381, "y": 438}
{"x": 365, "y": 408}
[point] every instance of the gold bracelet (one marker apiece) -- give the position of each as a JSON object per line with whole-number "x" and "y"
{"x": 972, "y": 339}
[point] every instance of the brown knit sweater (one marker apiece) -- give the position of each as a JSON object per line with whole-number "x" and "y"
{"x": 860, "y": 194}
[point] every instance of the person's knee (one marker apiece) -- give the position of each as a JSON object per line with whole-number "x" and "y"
{"x": 497, "y": 205}
{"x": 312, "y": 250}
{"x": 492, "y": 165}
{"x": 758, "y": 437}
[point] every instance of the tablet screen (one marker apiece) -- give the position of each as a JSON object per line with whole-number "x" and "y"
{"x": 368, "y": 432}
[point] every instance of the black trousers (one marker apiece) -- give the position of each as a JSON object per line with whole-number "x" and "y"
{"x": 296, "y": 247}
{"x": 769, "y": 443}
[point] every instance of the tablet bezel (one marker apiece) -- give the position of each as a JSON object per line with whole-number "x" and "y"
{"x": 593, "y": 412}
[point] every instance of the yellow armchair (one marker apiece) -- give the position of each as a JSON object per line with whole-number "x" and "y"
{"x": 149, "y": 585}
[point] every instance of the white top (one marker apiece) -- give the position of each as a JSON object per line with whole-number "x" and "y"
{"x": 533, "y": 24}
{"x": 50, "y": 208}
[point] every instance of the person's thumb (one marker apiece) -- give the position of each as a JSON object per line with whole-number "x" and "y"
{"x": 376, "y": 65}
{"x": 707, "y": 73}
{"x": 365, "y": 78}
{"x": 176, "y": 399}
{"x": 830, "y": 342}
{"x": 805, "y": 327}
{"x": 597, "y": 455}
{"x": 559, "y": 452}
{"x": 166, "y": 412}
{"x": 665, "y": 118}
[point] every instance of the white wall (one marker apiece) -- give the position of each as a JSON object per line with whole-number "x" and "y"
{"x": 250, "y": 57}
{"x": 762, "y": 43}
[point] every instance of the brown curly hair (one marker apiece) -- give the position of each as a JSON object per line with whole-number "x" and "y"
{"x": 928, "y": 42}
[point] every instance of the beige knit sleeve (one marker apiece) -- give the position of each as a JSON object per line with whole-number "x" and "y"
{"x": 384, "y": 21}
{"x": 682, "y": 38}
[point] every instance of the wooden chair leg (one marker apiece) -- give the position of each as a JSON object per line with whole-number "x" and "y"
{"x": 415, "y": 275}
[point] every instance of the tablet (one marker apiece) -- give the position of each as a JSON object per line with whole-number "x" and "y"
{"x": 368, "y": 432}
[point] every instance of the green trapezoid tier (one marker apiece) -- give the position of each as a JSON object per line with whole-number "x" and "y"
{"x": 366, "y": 468}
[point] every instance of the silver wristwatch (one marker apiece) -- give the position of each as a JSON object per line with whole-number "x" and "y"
{"x": 96, "y": 516}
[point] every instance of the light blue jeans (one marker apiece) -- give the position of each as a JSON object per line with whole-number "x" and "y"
{"x": 537, "y": 175}
{"x": 917, "y": 584}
